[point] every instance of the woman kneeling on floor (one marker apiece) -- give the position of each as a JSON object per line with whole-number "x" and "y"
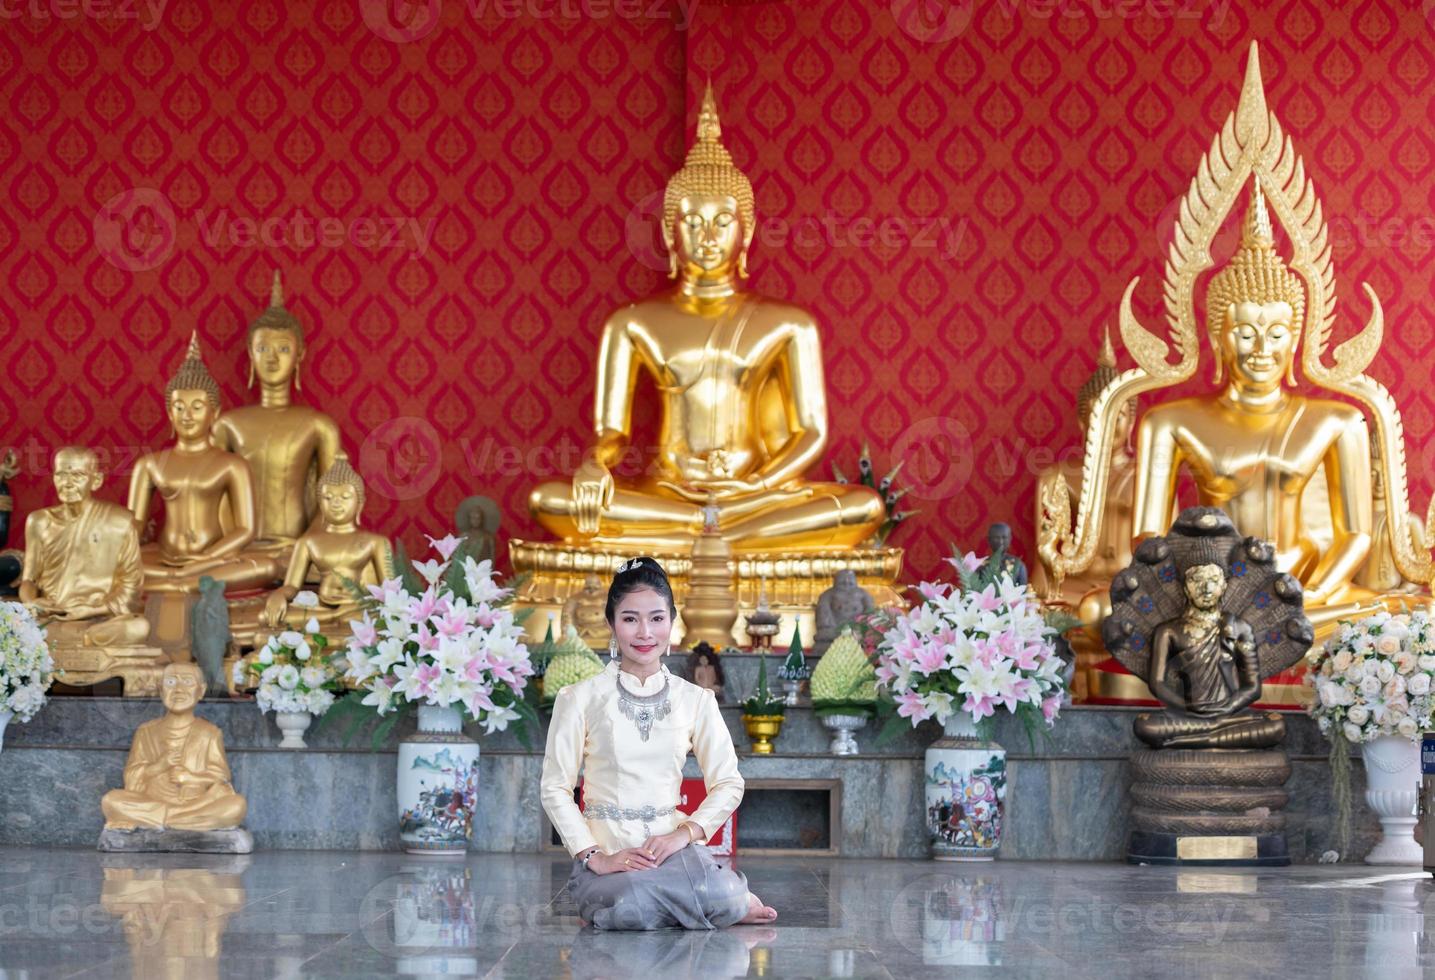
{"x": 639, "y": 863}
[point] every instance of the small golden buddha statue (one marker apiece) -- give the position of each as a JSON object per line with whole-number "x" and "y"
{"x": 208, "y": 496}
{"x": 1059, "y": 487}
{"x": 176, "y": 776}
{"x": 744, "y": 409}
{"x": 586, "y": 611}
{"x": 339, "y": 551}
{"x": 287, "y": 446}
{"x": 82, "y": 562}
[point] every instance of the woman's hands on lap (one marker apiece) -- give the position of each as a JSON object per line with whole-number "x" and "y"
{"x": 628, "y": 859}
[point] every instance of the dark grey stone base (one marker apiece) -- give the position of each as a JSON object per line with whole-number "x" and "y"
{"x": 235, "y": 840}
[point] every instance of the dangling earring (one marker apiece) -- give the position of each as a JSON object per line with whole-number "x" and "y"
{"x": 613, "y": 649}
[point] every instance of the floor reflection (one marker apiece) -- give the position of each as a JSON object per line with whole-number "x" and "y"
{"x": 173, "y": 918}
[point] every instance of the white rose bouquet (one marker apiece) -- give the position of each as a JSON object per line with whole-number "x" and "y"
{"x": 294, "y": 672}
{"x": 1375, "y": 677}
{"x": 26, "y": 669}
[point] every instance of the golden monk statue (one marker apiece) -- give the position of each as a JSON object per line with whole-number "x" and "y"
{"x": 82, "y": 561}
{"x": 1253, "y": 446}
{"x": 176, "y": 776}
{"x": 208, "y": 496}
{"x": 287, "y": 446}
{"x": 339, "y": 551}
{"x": 744, "y": 410}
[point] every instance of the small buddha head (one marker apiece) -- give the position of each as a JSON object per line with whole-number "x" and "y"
{"x": 181, "y": 686}
{"x": 341, "y": 493}
{"x": 192, "y": 396}
{"x": 1255, "y": 309}
{"x": 275, "y": 342}
{"x": 709, "y": 213}
{"x": 1205, "y": 584}
{"x": 77, "y": 474}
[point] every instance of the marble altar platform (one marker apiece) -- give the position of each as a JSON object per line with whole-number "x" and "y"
{"x": 1067, "y": 799}
{"x": 78, "y": 913}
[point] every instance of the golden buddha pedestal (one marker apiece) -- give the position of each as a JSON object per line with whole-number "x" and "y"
{"x": 1252, "y": 448}
{"x": 82, "y": 576}
{"x": 744, "y": 415}
{"x": 288, "y": 447}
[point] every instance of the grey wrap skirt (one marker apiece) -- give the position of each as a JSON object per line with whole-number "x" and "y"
{"x": 689, "y": 890}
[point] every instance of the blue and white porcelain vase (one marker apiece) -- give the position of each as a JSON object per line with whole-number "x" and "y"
{"x": 965, "y": 792}
{"x": 438, "y": 784}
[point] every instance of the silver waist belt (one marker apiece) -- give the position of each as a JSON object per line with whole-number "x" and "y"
{"x": 610, "y": 811}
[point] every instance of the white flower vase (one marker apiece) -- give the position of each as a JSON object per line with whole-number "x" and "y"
{"x": 1392, "y": 788}
{"x": 293, "y": 724}
{"x": 965, "y": 793}
{"x": 438, "y": 784}
{"x": 5, "y": 717}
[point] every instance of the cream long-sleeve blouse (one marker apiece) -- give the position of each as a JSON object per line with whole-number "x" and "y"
{"x": 589, "y": 732}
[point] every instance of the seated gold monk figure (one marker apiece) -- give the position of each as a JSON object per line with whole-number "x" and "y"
{"x": 208, "y": 496}
{"x": 744, "y": 411}
{"x": 1203, "y": 615}
{"x": 287, "y": 446}
{"x": 82, "y": 561}
{"x": 339, "y": 551}
{"x": 176, "y": 775}
{"x": 1252, "y": 449}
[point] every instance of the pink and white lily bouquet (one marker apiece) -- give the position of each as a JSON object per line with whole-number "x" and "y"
{"x": 979, "y": 646}
{"x": 439, "y": 634}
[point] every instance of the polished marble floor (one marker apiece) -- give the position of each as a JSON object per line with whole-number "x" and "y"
{"x": 287, "y": 914}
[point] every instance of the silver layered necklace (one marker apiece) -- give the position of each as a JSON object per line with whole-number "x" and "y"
{"x": 643, "y": 709}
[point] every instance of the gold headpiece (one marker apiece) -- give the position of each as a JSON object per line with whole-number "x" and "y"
{"x": 340, "y": 473}
{"x": 193, "y": 375}
{"x": 276, "y": 317}
{"x": 1255, "y": 274}
{"x": 709, "y": 170}
{"x": 1100, "y": 378}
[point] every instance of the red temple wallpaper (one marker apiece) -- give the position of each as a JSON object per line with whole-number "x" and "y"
{"x": 457, "y": 192}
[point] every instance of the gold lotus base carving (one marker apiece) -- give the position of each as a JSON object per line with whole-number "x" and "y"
{"x": 793, "y": 580}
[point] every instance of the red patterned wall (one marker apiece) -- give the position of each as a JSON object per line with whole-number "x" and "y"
{"x": 458, "y": 191}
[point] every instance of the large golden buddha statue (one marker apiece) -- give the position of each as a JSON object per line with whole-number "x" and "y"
{"x": 208, "y": 495}
{"x": 287, "y": 446}
{"x": 1255, "y": 445}
{"x": 743, "y": 413}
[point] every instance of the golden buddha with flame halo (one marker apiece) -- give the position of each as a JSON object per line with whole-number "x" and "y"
{"x": 744, "y": 415}
{"x": 1253, "y": 447}
{"x": 287, "y": 446}
{"x": 208, "y": 494}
